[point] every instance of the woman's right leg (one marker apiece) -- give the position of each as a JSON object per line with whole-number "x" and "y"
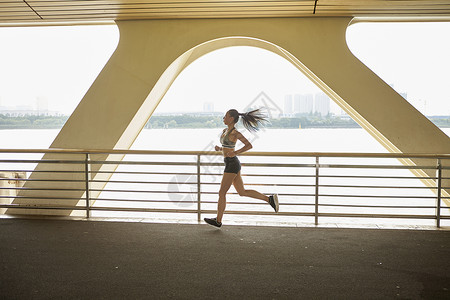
{"x": 239, "y": 186}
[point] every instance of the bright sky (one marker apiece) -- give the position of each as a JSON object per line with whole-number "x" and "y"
{"x": 60, "y": 63}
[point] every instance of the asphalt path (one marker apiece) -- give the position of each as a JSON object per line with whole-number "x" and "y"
{"x": 63, "y": 259}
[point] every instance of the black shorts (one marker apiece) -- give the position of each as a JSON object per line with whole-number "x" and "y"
{"x": 232, "y": 165}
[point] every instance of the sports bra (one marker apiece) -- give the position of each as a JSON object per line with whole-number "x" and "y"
{"x": 224, "y": 139}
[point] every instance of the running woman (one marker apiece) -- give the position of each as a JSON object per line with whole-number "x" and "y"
{"x": 232, "y": 173}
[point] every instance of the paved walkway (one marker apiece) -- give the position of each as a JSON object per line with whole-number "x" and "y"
{"x": 55, "y": 259}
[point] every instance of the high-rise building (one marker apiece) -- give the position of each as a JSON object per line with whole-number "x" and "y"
{"x": 288, "y": 105}
{"x": 303, "y": 104}
{"x": 42, "y": 105}
{"x": 322, "y": 104}
{"x": 208, "y": 107}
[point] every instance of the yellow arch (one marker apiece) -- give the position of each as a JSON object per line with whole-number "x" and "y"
{"x": 151, "y": 54}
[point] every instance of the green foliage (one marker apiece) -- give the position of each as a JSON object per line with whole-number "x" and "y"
{"x": 442, "y": 122}
{"x": 193, "y": 121}
{"x": 32, "y": 121}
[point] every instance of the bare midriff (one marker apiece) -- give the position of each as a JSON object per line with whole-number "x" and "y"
{"x": 225, "y": 151}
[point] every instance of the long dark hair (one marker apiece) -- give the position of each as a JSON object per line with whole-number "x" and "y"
{"x": 251, "y": 120}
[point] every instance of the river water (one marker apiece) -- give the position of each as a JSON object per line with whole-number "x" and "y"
{"x": 271, "y": 140}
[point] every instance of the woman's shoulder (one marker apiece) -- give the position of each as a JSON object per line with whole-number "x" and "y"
{"x": 235, "y": 132}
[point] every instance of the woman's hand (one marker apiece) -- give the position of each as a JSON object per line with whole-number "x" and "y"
{"x": 231, "y": 153}
{"x": 217, "y": 148}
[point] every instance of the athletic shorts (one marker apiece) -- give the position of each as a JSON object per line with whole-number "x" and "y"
{"x": 232, "y": 165}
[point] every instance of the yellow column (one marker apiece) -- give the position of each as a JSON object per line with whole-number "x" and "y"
{"x": 151, "y": 53}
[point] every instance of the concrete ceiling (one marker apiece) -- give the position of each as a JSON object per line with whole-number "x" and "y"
{"x": 34, "y": 12}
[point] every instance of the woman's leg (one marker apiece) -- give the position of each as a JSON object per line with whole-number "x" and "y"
{"x": 239, "y": 186}
{"x": 227, "y": 180}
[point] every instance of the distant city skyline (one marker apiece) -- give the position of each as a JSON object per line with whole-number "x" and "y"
{"x": 412, "y": 58}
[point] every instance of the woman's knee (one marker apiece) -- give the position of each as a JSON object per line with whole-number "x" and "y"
{"x": 242, "y": 192}
{"x": 222, "y": 194}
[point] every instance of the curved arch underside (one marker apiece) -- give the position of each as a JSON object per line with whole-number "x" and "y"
{"x": 151, "y": 54}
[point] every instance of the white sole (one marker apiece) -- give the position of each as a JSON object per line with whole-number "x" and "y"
{"x": 277, "y": 205}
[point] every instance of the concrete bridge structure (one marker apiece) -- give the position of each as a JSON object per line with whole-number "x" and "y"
{"x": 159, "y": 40}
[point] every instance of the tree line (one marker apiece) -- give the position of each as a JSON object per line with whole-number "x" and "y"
{"x": 190, "y": 121}
{"x": 193, "y": 121}
{"x": 32, "y": 121}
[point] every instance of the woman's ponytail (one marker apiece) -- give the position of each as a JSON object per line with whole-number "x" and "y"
{"x": 253, "y": 119}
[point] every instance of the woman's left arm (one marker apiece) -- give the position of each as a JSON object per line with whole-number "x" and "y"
{"x": 247, "y": 144}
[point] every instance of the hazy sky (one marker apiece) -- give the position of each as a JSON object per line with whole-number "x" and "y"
{"x": 60, "y": 63}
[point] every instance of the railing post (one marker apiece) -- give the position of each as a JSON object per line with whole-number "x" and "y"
{"x": 199, "y": 207}
{"x": 87, "y": 179}
{"x": 439, "y": 190}
{"x": 316, "y": 211}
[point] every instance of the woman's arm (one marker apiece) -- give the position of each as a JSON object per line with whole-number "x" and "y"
{"x": 247, "y": 144}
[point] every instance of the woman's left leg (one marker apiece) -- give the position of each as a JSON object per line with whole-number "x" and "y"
{"x": 239, "y": 186}
{"x": 225, "y": 185}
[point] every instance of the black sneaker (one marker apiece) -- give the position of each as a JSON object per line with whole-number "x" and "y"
{"x": 273, "y": 201}
{"x": 213, "y": 222}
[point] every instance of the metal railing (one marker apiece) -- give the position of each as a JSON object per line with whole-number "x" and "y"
{"x": 311, "y": 186}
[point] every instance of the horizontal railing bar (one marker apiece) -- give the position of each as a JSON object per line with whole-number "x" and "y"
{"x": 278, "y": 165}
{"x": 270, "y": 184}
{"x": 193, "y": 192}
{"x": 43, "y": 180}
{"x": 280, "y": 194}
{"x": 141, "y": 173}
{"x": 375, "y": 206}
{"x": 39, "y": 198}
{"x": 168, "y": 210}
{"x": 268, "y": 175}
{"x": 286, "y": 203}
{"x": 219, "y": 174}
{"x": 201, "y": 164}
{"x": 394, "y": 216}
{"x": 143, "y": 191}
{"x": 143, "y": 163}
{"x": 378, "y": 177}
{"x": 214, "y": 153}
{"x": 140, "y": 182}
{"x": 34, "y": 161}
{"x": 212, "y": 202}
{"x": 211, "y": 193}
{"x": 267, "y": 213}
{"x": 329, "y": 166}
{"x": 42, "y": 171}
{"x": 203, "y": 183}
{"x": 378, "y": 196}
{"x": 193, "y": 201}
{"x": 328, "y": 176}
{"x": 18, "y": 206}
{"x": 194, "y": 173}
{"x": 13, "y": 206}
{"x": 376, "y": 186}
{"x": 263, "y": 203}
{"x": 347, "y": 215}
{"x": 216, "y": 183}
{"x": 321, "y": 195}
{"x": 42, "y": 189}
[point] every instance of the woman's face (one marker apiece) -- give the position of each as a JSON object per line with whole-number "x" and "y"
{"x": 227, "y": 119}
